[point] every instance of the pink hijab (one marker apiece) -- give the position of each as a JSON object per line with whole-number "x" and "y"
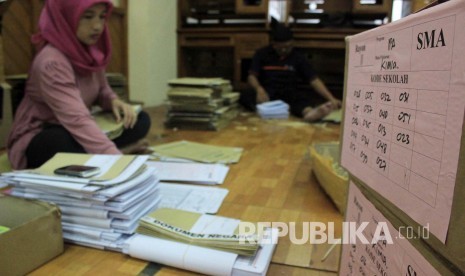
{"x": 58, "y": 25}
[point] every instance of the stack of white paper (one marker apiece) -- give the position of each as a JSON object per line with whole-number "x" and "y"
{"x": 273, "y": 110}
{"x": 201, "y": 259}
{"x": 102, "y": 211}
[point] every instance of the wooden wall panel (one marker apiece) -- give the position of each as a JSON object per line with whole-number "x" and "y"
{"x": 20, "y": 22}
{"x": 17, "y": 30}
{"x": 118, "y": 30}
{"x": 2, "y": 69}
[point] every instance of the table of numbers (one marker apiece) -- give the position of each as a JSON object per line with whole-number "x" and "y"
{"x": 389, "y": 133}
{"x": 404, "y": 112}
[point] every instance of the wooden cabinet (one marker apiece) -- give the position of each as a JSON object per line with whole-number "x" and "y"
{"x": 118, "y": 26}
{"x": 211, "y": 45}
{"x": 20, "y": 23}
{"x": 3, "y": 7}
{"x": 252, "y": 6}
{"x": 214, "y": 14}
{"x": 224, "y": 53}
{"x": 206, "y": 55}
{"x": 217, "y": 38}
{"x": 379, "y": 6}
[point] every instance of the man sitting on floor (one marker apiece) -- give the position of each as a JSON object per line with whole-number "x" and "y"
{"x": 276, "y": 72}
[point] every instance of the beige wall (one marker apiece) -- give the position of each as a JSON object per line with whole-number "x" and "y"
{"x": 152, "y": 49}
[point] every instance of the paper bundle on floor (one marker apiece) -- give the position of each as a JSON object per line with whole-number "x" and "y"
{"x": 197, "y": 152}
{"x": 198, "y": 229}
{"x": 201, "y": 103}
{"x": 100, "y": 211}
{"x": 273, "y": 110}
{"x": 203, "y": 260}
{"x": 171, "y": 251}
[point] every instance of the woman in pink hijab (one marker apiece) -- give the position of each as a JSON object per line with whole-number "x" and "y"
{"x": 66, "y": 79}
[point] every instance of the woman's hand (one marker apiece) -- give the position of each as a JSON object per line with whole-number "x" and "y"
{"x": 124, "y": 112}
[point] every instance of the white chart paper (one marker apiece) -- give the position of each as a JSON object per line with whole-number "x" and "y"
{"x": 404, "y": 108}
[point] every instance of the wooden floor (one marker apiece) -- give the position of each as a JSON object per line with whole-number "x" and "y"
{"x": 273, "y": 181}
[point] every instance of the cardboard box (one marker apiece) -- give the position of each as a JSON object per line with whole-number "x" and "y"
{"x": 34, "y": 236}
{"x": 453, "y": 251}
{"x": 419, "y": 180}
{"x": 401, "y": 254}
{"x": 330, "y": 175}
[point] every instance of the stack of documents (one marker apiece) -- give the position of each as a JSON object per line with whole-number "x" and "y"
{"x": 201, "y": 103}
{"x": 186, "y": 151}
{"x": 169, "y": 250}
{"x": 100, "y": 211}
{"x": 107, "y": 122}
{"x": 198, "y": 229}
{"x": 273, "y": 110}
{"x": 201, "y": 259}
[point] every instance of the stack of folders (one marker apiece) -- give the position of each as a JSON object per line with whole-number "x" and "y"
{"x": 201, "y": 243}
{"x": 198, "y": 229}
{"x": 107, "y": 122}
{"x": 100, "y": 211}
{"x": 201, "y": 103}
{"x": 187, "y": 151}
{"x": 273, "y": 110}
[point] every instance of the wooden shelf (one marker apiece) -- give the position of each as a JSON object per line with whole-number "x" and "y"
{"x": 234, "y": 46}
{"x": 20, "y": 23}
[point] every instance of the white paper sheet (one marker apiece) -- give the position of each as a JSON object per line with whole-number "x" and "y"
{"x": 91, "y": 232}
{"x": 273, "y": 110}
{"x": 84, "y": 212}
{"x": 404, "y": 109}
{"x": 258, "y": 264}
{"x": 128, "y": 185}
{"x": 209, "y": 224}
{"x": 193, "y": 258}
{"x": 137, "y": 210}
{"x": 99, "y": 244}
{"x": 206, "y": 200}
{"x": 199, "y": 173}
{"x": 399, "y": 258}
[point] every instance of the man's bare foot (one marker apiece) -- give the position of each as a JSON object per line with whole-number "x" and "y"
{"x": 317, "y": 113}
{"x": 306, "y": 110}
{"x": 140, "y": 147}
